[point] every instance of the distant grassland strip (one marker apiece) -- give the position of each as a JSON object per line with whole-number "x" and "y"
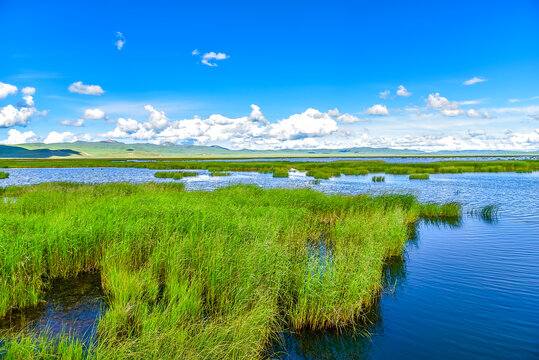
{"x": 199, "y": 275}
{"x": 319, "y": 170}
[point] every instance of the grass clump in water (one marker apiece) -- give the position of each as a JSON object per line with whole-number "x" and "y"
{"x": 419, "y": 177}
{"x": 280, "y": 173}
{"x": 378, "y": 178}
{"x": 219, "y": 173}
{"x": 199, "y": 275}
{"x": 3, "y": 175}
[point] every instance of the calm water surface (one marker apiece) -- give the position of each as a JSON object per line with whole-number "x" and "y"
{"x": 470, "y": 290}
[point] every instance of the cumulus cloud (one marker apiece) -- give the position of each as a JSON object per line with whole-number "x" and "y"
{"x": 384, "y": 94}
{"x": 56, "y": 137}
{"x": 343, "y": 118}
{"x": 17, "y": 137}
{"x": 195, "y": 52}
{"x": 11, "y": 116}
{"x": 451, "y": 108}
{"x": 208, "y": 57}
{"x": 251, "y": 129}
{"x": 377, "y": 110}
{"x": 120, "y": 40}
{"x": 474, "y": 80}
{"x": 403, "y": 92}
{"x": 80, "y": 88}
{"x": 158, "y": 120}
{"x": 28, "y": 97}
{"x": 6, "y": 89}
{"x": 93, "y": 114}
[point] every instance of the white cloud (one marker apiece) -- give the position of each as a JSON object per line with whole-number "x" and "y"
{"x": 213, "y": 56}
{"x": 253, "y": 128}
{"x": 384, "y": 94}
{"x": 77, "y": 123}
{"x": 474, "y": 80}
{"x": 80, "y": 88}
{"x": 28, "y": 95}
{"x": 120, "y": 40}
{"x": 93, "y": 114}
{"x": 343, "y": 118}
{"x": 56, "y": 137}
{"x": 195, "y": 52}
{"x": 158, "y": 120}
{"x": 310, "y": 123}
{"x": 403, "y": 92}
{"x": 11, "y": 116}
{"x": 17, "y": 137}
{"x": 377, "y": 110}
{"x": 29, "y": 91}
{"x": 6, "y": 89}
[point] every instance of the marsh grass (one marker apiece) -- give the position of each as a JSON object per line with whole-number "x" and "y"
{"x": 487, "y": 213}
{"x": 378, "y": 178}
{"x": 419, "y": 177}
{"x": 199, "y": 275}
{"x": 3, "y": 175}
{"x": 219, "y": 173}
{"x": 319, "y": 170}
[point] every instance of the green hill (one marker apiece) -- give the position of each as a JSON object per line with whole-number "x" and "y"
{"x": 115, "y": 149}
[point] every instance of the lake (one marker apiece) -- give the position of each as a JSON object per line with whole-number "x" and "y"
{"x": 466, "y": 290}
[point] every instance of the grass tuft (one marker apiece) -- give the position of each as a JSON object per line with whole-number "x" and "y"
{"x": 419, "y": 177}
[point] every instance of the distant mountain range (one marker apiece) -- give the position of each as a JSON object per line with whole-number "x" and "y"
{"x": 115, "y": 149}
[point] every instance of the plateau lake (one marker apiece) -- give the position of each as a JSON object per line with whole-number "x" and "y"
{"x": 463, "y": 290}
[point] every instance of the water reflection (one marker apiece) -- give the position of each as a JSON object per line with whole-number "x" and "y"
{"x": 70, "y": 305}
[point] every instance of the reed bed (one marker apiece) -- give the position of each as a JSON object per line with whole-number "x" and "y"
{"x": 378, "y": 178}
{"x": 199, "y": 275}
{"x": 3, "y": 175}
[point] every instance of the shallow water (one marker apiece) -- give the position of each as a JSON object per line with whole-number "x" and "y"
{"x": 466, "y": 291}
{"x": 72, "y": 305}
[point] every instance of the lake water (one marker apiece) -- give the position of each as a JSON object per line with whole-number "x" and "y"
{"x": 469, "y": 290}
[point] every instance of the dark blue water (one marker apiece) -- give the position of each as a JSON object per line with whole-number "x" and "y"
{"x": 469, "y": 290}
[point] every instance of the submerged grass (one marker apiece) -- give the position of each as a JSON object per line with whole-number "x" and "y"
{"x": 199, "y": 275}
{"x": 3, "y": 175}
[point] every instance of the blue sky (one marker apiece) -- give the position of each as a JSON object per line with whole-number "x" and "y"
{"x": 272, "y": 74}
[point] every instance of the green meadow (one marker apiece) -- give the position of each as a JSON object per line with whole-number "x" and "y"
{"x": 199, "y": 275}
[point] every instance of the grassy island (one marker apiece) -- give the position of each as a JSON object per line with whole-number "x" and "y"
{"x": 199, "y": 275}
{"x": 3, "y": 175}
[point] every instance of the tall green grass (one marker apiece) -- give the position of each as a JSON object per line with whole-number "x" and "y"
{"x": 199, "y": 275}
{"x": 3, "y": 175}
{"x": 378, "y": 178}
